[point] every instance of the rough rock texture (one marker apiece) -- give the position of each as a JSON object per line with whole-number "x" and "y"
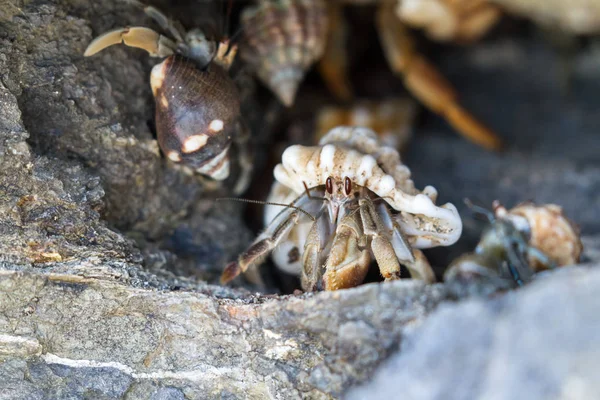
{"x": 89, "y": 118}
{"x": 87, "y": 337}
{"x": 103, "y": 247}
{"x": 539, "y": 343}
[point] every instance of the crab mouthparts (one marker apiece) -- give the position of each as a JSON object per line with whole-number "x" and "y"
{"x": 336, "y": 212}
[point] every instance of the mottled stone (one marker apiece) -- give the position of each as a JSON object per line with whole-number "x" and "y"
{"x": 540, "y": 342}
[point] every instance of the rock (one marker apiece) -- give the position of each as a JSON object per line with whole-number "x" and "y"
{"x": 86, "y": 121}
{"x": 107, "y": 253}
{"x": 109, "y": 340}
{"x": 540, "y": 342}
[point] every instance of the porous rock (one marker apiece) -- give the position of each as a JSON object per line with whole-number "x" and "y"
{"x": 109, "y": 340}
{"x": 89, "y": 119}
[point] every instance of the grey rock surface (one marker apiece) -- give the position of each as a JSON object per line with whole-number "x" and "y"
{"x": 105, "y": 250}
{"x": 80, "y": 337}
{"x": 88, "y": 119}
{"x": 542, "y": 342}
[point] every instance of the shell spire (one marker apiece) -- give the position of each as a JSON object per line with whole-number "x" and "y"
{"x": 283, "y": 39}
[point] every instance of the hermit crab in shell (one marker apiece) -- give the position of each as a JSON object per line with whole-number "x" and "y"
{"x": 284, "y": 38}
{"x": 197, "y": 103}
{"x": 350, "y": 200}
{"x": 518, "y": 243}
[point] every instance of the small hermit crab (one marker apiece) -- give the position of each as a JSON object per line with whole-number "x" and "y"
{"x": 348, "y": 200}
{"x": 284, "y": 38}
{"x": 517, "y": 244}
{"x": 197, "y": 103}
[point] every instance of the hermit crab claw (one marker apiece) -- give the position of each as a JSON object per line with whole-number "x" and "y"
{"x": 143, "y": 38}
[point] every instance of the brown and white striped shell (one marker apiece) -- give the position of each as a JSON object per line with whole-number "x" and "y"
{"x": 283, "y": 39}
{"x": 358, "y": 154}
{"x": 550, "y": 232}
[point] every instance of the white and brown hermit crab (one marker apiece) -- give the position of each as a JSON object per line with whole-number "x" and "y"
{"x": 197, "y": 103}
{"x": 350, "y": 200}
{"x": 518, "y": 243}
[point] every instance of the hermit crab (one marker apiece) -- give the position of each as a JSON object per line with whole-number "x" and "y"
{"x": 197, "y": 103}
{"x": 284, "y": 38}
{"x": 517, "y": 244}
{"x": 347, "y": 201}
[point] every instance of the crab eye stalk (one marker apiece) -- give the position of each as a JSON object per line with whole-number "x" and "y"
{"x": 347, "y": 186}
{"x": 329, "y": 185}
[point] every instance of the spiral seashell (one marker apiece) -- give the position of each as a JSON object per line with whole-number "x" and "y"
{"x": 196, "y": 113}
{"x": 283, "y": 39}
{"x": 550, "y": 231}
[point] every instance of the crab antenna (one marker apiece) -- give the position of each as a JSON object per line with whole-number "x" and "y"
{"x": 268, "y": 203}
{"x": 478, "y": 210}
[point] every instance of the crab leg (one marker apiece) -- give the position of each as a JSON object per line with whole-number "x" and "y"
{"x": 518, "y": 266}
{"x": 348, "y": 261}
{"x": 161, "y": 19}
{"x": 411, "y": 258}
{"x": 333, "y": 66}
{"x": 245, "y": 158}
{"x": 425, "y": 82}
{"x": 143, "y": 38}
{"x": 388, "y": 263}
{"x": 312, "y": 257}
{"x": 277, "y": 231}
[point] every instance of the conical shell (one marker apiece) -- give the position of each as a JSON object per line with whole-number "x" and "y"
{"x": 283, "y": 39}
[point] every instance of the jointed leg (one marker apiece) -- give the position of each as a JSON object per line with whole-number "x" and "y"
{"x": 334, "y": 63}
{"x": 518, "y": 266}
{"x": 277, "y": 231}
{"x": 382, "y": 248}
{"x": 245, "y": 159}
{"x": 541, "y": 257}
{"x": 425, "y": 82}
{"x": 166, "y": 24}
{"x": 348, "y": 261}
{"x": 413, "y": 259}
{"x": 143, "y": 38}
{"x": 420, "y": 268}
{"x": 312, "y": 256}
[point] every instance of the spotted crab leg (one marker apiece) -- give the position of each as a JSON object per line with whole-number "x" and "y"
{"x": 349, "y": 259}
{"x": 154, "y": 43}
{"x": 425, "y": 82}
{"x": 333, "y": 65}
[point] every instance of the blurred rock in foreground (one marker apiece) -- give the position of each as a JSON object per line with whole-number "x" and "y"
{"x": 538, "y": 343}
